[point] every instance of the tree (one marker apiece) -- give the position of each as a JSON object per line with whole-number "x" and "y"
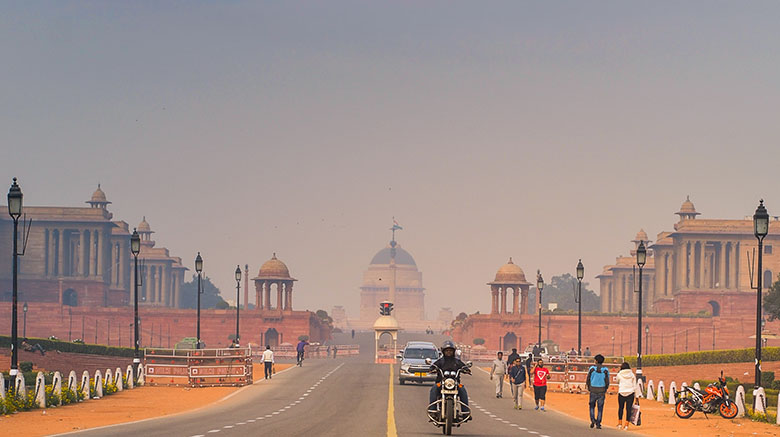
{"x": 561, "y": 290}
{"x": 772, "y": 301}
{"x": 210, "y": 298}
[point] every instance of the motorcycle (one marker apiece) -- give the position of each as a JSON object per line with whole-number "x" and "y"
{"x": 449, "y": 409}
{"x": 713, "y": 398}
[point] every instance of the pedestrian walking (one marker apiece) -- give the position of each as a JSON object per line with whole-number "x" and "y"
{"x": 335, "y": 350}
{"x": 509, "y": 362}
{"x": 541, "y": 375}
{"x": 268, "y": 362}
{"x": 628, "y": 393}
{"x": 353, "y": 333}
{"x": 499, "y": 370}
{"x": 518, "y": 381}
{"x": 597, "y": 382}
{"x": 327, "y": 352}
{"x": 587, "y": 352}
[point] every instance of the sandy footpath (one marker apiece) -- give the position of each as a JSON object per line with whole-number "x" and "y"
{"x": 126, "y": 406}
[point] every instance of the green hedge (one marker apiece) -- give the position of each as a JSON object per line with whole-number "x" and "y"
{"x": 64, "y": 346}
{"x": 707, "y": 357}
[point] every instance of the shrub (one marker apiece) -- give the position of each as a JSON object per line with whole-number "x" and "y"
{"x": 52, "y": 344}
{"x": 52, "y": 399}
{"x": 707, "y": 357}
{"x": 479, "y": 341}
{"x": 26, "y": 366}
{"x": 70, "y": 397}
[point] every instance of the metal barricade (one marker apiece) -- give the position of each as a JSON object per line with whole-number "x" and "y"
{"x": 558, "y": 378}
{"x": 198, "y": 367}
{"x": 166, "y": 366}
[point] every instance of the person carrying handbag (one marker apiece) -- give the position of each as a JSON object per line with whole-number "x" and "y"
{"x": 628, "y": 396}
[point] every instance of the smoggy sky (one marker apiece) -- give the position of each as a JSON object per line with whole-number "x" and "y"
{"x": 545, "y": 131}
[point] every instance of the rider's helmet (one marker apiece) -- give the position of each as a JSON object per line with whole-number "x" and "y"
{"x": 447, "y": 345}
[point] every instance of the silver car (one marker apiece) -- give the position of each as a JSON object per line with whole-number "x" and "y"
{"x": 413, "y": 367}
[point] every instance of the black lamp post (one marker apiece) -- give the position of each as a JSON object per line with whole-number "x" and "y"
{"x": 641, "y": 258}
{"x": 15, "y": 211}
{"x": 539, "y": 287}
{"x": 760, "y": 229}
{"x": 24, "y": 329}
{"x": 198, "y": 268}
{"x": 578, "y": 299}
{"x": 135, "y": 249}
{"x": 238, "y": 299}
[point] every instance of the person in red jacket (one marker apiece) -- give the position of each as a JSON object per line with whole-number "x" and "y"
{"x": 541, "y": 375}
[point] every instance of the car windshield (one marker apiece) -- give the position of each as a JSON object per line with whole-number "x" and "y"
{"x": 420, "y": 353}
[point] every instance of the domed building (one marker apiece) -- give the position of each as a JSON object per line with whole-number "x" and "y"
{"x": 274, "y": 278}
{"x": 409, "y": 305}
{"x": 509, "y": 277}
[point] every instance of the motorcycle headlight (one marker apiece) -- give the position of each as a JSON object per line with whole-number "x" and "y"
{"x": 449, "y": 383}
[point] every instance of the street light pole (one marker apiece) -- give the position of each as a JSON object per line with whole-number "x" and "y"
{"x": 24, "y": 329}
{"x": 580, "y": 275}
{"x": 539, "y": 287}
{"x": 135, "y": 249}
{"x": 760, "y": 229}
{"x": 199, "y": 269}
{"x": 15, "y": 211}
{"x": 238, "y": 300}
{"x": 641, "y": 258}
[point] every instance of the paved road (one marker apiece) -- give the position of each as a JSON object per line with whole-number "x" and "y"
{"x": 349, "y": 397}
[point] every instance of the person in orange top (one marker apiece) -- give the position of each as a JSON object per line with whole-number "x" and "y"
{"x": 541, "y": 375}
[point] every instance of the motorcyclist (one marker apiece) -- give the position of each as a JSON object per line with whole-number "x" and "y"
{"x": 451, "y": 363}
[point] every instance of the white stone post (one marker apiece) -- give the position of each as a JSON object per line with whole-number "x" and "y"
{"x": 109, "y": 377}
{"x": 696, "y": 386}
{"x": 672, "y": 393}
{"x": 759, "y": 399}
{"x": 739, "y": 399}
{"x": 56, "y": 386}
{"x": 650, "y": 391}
{"x": 40, "y": 390}
{"x": 98, "y": 384}
{"x": 141, "y": 374}
{"x": 73, "y": 382}
{"x": 118, "y": 379}
{"x": 129, "y": 376}
{"x": 85, "y": 385}
{"x": 21, "y": 389}
{"x": 660, "y": 394}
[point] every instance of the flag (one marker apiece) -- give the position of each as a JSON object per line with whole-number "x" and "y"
{"x": 396, "y": 226}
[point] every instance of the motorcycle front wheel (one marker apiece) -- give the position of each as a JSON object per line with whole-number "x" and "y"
{"x": 448, "y": 416}
{"x": 683, "y": 409}
{"x": 728, "y": 410}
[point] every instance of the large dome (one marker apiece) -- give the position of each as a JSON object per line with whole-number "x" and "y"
{"x": 273, "y": 268}
{"x": 401, "y": 257}
{"x": 510, "y": 273}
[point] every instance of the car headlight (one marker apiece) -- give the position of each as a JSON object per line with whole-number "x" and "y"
{"x": 405, "y": 368}
{"x": 449, "y": 383}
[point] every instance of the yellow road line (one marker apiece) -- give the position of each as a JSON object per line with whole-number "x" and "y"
{"x": 390, "y": 409}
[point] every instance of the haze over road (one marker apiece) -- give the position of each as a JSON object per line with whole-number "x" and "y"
{"x": 349, "y": 397}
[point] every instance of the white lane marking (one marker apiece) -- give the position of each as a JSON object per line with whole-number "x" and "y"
{"x": 227, "y": 426}
{"x": 532, "y": 432}
{"x": 198, "y": 435}
{"x": 241, "y": 423}
{"x": 251, "y": 420}
{"x": 524, "y": 429}
{"x": 301, "y": 398}
{"x": 306, "y": 394}
{"x": 275, "y": 413}
{"x": 214, "y": 430}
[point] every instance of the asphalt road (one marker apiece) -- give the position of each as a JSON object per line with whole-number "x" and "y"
{"x": 349, "y": 397}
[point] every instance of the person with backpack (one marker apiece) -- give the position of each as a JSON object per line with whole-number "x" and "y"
{"x": 597, "y": 382}
{"x": 628, "y": 390}
{"x": 518, "y": 381}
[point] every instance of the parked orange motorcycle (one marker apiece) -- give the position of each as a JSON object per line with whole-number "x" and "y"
{"x": 713, "y": 398}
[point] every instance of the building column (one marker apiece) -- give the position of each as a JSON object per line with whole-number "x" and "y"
{"x": 289, "y": 296}
{"x": 722, "y": 259}
{"x": 149, "y": 285}
{"x": 681, "y": 265}
{"x": 279, "y": 289}
{"x": 493, "y": 299}
{"x": 503, "y": 300}
{"x": 121, "y": 260}
{"x": 267, "y": 285}
{"x": 83, "y": 253}
{"x": 702, "y": 264}
{"x": 165, "y": 282}
{"x": 516, "y": 300}
{"x": 99, "y": 264}
{"x": 47, "y": 246}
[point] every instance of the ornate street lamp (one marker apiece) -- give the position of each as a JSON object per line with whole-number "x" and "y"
{"x": 238, "y": 299}
{"x": 760, "y": 229}
{"x": 24, "y": 329}
{"x": 578, "y": 299}
{"x": 135, "y": 249}
{"x": 641, "y": 258}
{"x": 199, "y": 269}
{"x": 539, "y": 287}
{"x": 15, "y": 211}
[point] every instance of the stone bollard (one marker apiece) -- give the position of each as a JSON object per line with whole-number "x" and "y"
{"x": 696, "y": 386}
{"x": 73, "y": 381}
{"x": 739, "y": 399}
{"x": 98, "y": 384}
{"x": 650, "y": 394}
{"x": 129, "y": 376}
{"x": 109, "y": 378}
{"x": 641, "y": 387}
{"x": 759, "y": 401}
{"x": 2, "y": 391}
{"x": 20, "y": 388}
{"x": 777, "y": 421}
{"x": 84, "y": 388}
{"x": 141, "y": 374}
{"x": 118, "y": 379}
{"x": 660, "y": 394}
{"x": 56, "y": 386}
{"x": 672, "y": 393}
{"x": 40, "y": 390}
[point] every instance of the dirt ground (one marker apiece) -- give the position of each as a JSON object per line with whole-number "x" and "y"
{"x": 126, "y": 406}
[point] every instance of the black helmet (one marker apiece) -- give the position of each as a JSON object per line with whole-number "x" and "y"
{"x": 447, "y": 345}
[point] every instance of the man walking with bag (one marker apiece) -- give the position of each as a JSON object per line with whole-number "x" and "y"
{"x": 268, "y": 361}
{"x": 597, "y": 382}
{"x": 519, "y": 381}
{"x": 499, "y": 370}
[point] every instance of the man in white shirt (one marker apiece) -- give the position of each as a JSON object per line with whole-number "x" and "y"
{"x": 268, "y": 360}
{"x": 499, "y": 370}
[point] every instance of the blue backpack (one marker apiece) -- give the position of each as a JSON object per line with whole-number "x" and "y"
{"x": 598, "y": 376}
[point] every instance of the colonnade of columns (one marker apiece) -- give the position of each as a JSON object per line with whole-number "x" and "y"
{"x": 499, "y": 299}
{"x": 160, "y": 284}
{"x": 703, "y": 266}
{"x": 66, "y": 255}
{"x": 284, "y": 290}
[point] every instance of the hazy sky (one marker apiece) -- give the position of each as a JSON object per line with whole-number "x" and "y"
{"x": 545, "y": 131}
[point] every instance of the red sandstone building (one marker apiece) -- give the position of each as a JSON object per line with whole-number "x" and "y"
{"x": 696, "y": 288}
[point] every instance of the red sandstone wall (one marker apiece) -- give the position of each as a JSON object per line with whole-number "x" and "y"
{"x": 667, "y": 334}
{"x": 113, "y": 325}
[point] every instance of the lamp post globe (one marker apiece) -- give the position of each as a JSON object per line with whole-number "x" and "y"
{"x": 760, "y": 230}
{"x": 580, "y": 275}
{"x": 641, "y": 259}
{"x": 238, "y": 301}
{"x": 199, "y": 269}
{"x": 15, "y": 198}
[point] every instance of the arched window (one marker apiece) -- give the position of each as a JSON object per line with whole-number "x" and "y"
{"x": 70, "y": 298}
{"x": 715, "y": 308}
{"x": 769, "y": 279}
